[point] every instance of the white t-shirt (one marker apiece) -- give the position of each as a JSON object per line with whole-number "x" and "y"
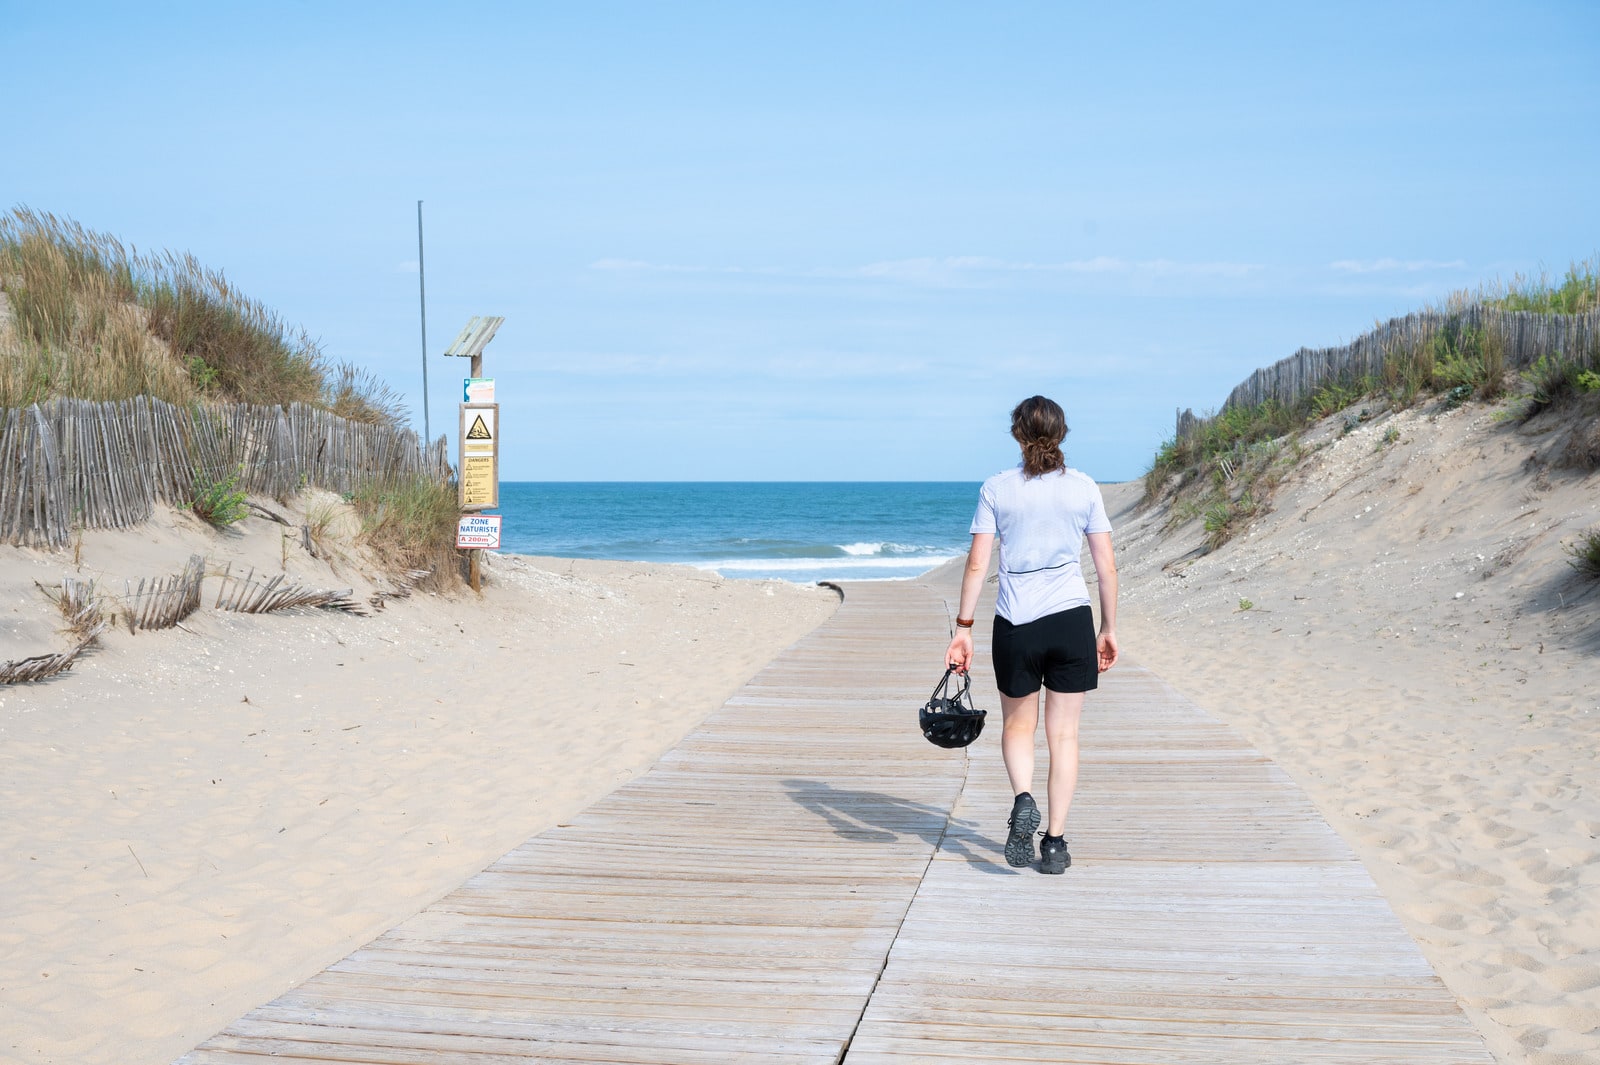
{"x": 1040, "y": 523}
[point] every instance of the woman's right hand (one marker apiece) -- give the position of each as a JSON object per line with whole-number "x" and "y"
{"x": 959, "y": 656}
{"x": 1106, "y": 650}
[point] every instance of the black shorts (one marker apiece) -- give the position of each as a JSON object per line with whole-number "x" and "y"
{"x": 1058, "y": 649}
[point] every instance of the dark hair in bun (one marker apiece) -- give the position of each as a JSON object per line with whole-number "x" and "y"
{"x": 1039, "y": 425}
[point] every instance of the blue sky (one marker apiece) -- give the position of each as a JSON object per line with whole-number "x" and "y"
{"x": 820, "y": 241}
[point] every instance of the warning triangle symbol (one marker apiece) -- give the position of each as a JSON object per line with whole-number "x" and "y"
{"x": 479, "y": 431}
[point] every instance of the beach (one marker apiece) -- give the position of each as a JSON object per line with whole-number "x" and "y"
{"x": 201, "y": 817}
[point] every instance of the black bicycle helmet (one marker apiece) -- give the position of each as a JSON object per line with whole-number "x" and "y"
{"x": 950, "y": 720}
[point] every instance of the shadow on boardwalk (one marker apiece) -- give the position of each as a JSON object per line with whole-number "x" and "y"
{"x": 873, "y": 817}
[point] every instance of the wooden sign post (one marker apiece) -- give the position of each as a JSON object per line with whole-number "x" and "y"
{"x": 479, "y": 439}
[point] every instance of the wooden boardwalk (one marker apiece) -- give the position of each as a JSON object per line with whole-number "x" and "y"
{"x": 1210, "y": 915}
{"x": 804, "y": 879}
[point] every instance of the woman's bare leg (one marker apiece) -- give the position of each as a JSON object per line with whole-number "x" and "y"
{"x": 1021, "y": 717}
{"x": 1062, "y": 711}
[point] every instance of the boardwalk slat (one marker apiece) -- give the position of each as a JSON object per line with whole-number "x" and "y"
{"x": 804, "y": 855}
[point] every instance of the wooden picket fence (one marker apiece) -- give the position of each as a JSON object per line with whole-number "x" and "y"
{"x": 1526, "y": 336}
{"x": 71, "y": 464}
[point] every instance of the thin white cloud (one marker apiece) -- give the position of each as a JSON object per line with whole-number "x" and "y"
{"x": 640, "y": 266}
{"x": 804, "y": 365}
{"x": 406, "y": 266}
{"x": 936, "y": 269}
{"x": 942, "y": 271}
{"x": 1410, "y": 266}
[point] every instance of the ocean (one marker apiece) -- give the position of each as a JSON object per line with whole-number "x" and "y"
{"x": 802, "y": 532}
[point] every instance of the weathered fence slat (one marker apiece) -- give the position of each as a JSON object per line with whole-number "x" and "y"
{"x": 75, "y": 464}
{"x": 246, "y": 595}
{"x": 168, "y": 600}
{"x": 1525, "y": 335}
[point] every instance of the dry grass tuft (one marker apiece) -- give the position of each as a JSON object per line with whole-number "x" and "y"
{"x": 84, "y": 612}
{"x": 410, "y": 524}
{"x": 83, "y": 608}
{"x": 360, "y": 395}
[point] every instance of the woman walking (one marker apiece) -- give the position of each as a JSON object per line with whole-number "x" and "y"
{"x": 1040, "y": 511}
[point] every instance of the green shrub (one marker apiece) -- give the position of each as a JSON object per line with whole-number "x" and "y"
{"x": 1586, "y": 554}
{"x": 1335, "y": 396}
{"x": 1225, "y": 517}
{"x": 1554, "y": 378}
{"x": 1407, "y": 369}
{"x": 1474, "y": 359}
{"x": 219, "y": 503}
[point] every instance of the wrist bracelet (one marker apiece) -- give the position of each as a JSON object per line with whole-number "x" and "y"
{"x": 964, "y": 623}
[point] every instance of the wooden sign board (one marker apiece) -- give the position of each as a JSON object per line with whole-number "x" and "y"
{"x": 479, "y": 532}
{"x": 480, "y": 456}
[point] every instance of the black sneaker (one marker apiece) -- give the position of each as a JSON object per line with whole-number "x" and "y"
{"x": 1053, "y": 856}
{"x": 1024, "y": 821}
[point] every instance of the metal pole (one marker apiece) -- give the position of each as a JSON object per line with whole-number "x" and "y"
{"x": 422, "y": 296}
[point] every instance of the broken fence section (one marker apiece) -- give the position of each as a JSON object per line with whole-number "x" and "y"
{"x": 246, "y": 595}
{"x": 162, "y": 602}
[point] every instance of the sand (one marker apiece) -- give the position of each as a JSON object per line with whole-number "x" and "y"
{"x": 1417, "y": 653}
{"x": 198, "y": 819}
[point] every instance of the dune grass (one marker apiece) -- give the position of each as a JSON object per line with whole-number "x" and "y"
{"x": 1577, "y": 292}
{"x": 93, "y": 319}
{"x": 86, "y": 317}
{"x": 410, "y": 523}
{"x": 360, "y": 395}
{"x": 76, "y": 328}
{"x": 1226, "y": 470}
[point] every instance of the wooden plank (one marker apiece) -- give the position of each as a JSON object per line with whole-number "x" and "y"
{"x": 803, "y": 879}
{"x": 1210, "y": 915}
{"x": 736, "y": 903}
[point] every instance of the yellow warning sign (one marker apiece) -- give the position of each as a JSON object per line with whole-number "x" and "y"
{"x": 480, "y": 460}
{"x": 478, "y": 429}
{"x": 479, "y": 485}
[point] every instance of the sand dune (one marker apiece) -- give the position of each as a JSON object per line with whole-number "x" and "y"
{"x": 199, "y": 818}
{"x": 1418, "y": 654}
